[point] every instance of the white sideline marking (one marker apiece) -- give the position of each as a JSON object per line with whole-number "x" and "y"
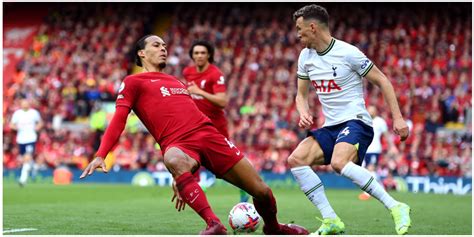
{"x": 18, "y": 230}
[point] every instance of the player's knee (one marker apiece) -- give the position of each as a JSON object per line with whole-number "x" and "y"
{"x": 338, "y": 164}
{"x": 178, "y": 164}
{"x": 296, "y": 161}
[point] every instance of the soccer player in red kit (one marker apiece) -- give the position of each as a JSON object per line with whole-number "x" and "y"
{"x": 188, "y": 140}
{"x": 207, "y": 87}
{"x": 206, "y": 84}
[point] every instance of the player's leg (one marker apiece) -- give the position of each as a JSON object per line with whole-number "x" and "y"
{"x": 26, "y": 166}
{"x": 308, "y": 153}
{"x": 181, "y": 166}
{"x": 226, "y": 161}
{"x": 369, "y": 162}
{"x": 244, "y": 176}
{"x": 34, "y": 163}
{"x": 353, "y": 144}
{"x": 221, "y": 126}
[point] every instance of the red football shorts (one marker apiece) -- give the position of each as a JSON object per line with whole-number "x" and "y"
{"x": 222, "y": 128}
{"x": 210, "y": 149}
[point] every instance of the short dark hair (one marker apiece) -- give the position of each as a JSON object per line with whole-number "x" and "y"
{"x": 139, "y": 45}
{"x": 207, "y": 44}
{"x": 312, "y": 11}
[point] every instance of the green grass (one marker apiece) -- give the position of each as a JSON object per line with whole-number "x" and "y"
{"x": 123, "y": 209}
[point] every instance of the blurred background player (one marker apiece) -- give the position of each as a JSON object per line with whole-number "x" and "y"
{"x": 372, "y": 156}
{"x": 187, "y": 138}
{"x": 207, "y": 86}
{"x": 336, "y": 68}
{"x": 27, "y": 122}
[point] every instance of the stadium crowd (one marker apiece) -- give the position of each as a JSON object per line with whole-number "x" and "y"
{"x": 79, "y": 58}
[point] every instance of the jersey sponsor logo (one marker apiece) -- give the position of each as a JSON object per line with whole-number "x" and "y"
{"x": 364, "y": 64}
{"x": 165, "y": 91}
{"x": 326, "y": 86}
{"x": 154, "y": 80}
{"x": 122, "y": 86}
{"x": 203, "y": 84}
{"x": 179, "y": 91}
{"x": 120, "y": 97}
{"x": 173, "y": 91}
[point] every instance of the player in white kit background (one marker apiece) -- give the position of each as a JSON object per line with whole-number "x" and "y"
{"x": 336, "y": 70}
{"x": 27, "y": 122}
{"x": 374, "y": 151}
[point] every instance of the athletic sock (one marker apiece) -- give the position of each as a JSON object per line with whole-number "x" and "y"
{"x": 268, "y": 211}
{"x": 367, "y": 183}
{"x": 34, "y": 170}
{"x": 25, "y": 170}
{"x": 194, "y": 196}
{"x": 313, "y": 188}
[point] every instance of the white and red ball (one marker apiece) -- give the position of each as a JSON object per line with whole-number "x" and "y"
{"x": 244, "y": 218}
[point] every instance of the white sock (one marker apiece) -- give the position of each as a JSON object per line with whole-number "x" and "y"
{"x": 25, "y": 170}
{"x": 367, "y": 183}
{"x": 313, "y": 188}
{"x": 35, "y": 170}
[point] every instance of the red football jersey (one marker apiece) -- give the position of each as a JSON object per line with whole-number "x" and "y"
{"x": 163, "y": 104}
{"x": 212, "y": 81}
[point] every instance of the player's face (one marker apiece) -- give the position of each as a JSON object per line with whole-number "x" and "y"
{"x": 24, "y": 105}
{"x": 155, "y": 51}
{"x": 200, "y": 55}
{"x": 304, "y": 31}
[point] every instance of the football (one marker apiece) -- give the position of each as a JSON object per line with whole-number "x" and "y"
{"x": 244, "y": 218}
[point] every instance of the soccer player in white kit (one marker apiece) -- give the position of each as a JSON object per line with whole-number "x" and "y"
{"x": 27, "y": 122}
{"x": 335, "y": 69}
{"x": 374, "y": 151}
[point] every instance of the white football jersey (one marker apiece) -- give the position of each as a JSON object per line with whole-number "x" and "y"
{"x": 337, "y": 74}
{"x": 380, "y": 126}
{"x": 25, "y": 122}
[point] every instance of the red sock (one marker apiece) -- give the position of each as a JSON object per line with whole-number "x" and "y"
{"x": 193, "y": 195}
{"x": 267, "y": 210}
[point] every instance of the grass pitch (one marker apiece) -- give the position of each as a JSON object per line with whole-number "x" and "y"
{"x": 104, "y": 209}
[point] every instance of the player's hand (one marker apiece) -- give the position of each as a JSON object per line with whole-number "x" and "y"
{"x": 400, "y": 128}
{"x": 180, "y": 204}
{"x": 306, "y": 121}
{"x": 193, "y": 88}
{"x": 96, "y": 163}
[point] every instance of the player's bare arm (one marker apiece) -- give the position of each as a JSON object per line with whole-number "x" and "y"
{"x": 219, "y": 99}
{"x": 13, "y": 126}
{"x": 111, "y": 137}
{"x": 306, "y": 119}
{"x": 376, "y": 77}
{"x": 39, "y": 125}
